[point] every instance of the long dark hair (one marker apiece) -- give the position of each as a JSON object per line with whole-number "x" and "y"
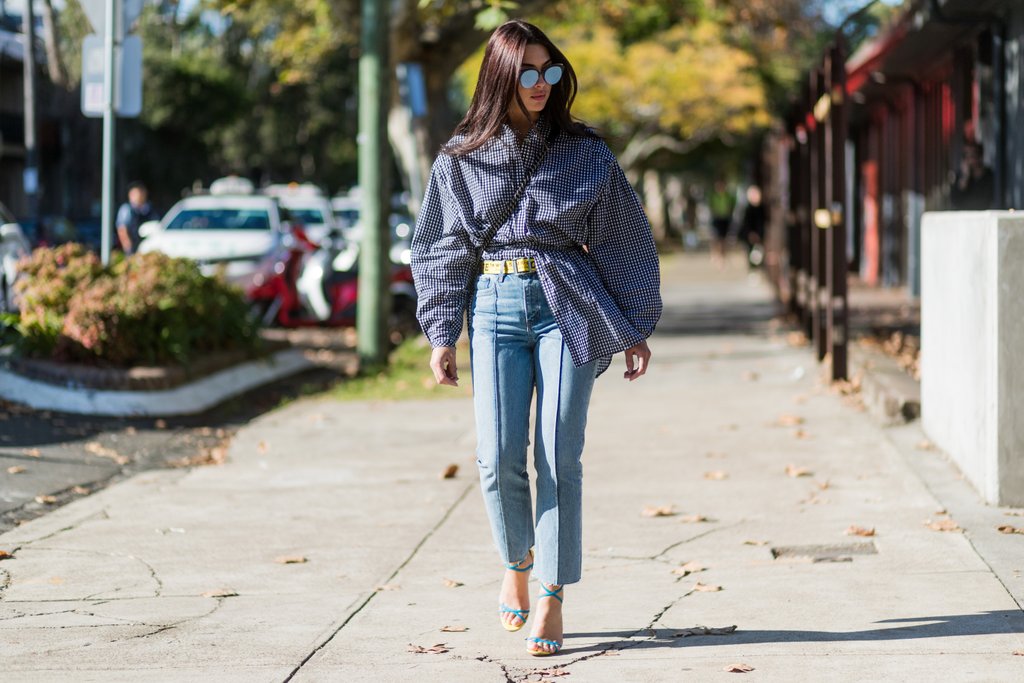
{"x": 498, "y": 85}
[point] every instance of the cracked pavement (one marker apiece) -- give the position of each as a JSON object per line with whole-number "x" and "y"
{"x": 176, "y": 575}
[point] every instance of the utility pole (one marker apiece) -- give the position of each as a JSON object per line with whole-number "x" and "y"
{"x": 374, "y": 171}
{"x": 112, "y": 9}
{"x": 31, "y": 175}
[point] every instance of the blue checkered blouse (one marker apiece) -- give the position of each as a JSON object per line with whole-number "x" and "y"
{"x": 605, "y": 301}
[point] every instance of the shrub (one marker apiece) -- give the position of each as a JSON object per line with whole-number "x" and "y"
{"x": 149, "y": 309}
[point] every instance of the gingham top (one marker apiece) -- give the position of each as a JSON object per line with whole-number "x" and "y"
{"x": 605, "y": 301}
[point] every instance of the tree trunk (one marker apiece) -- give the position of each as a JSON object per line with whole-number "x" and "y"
{"x": 654, "y": 202}
{"x": 54, "y": 62}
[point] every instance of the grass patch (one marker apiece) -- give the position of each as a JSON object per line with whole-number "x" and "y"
{"x": 406, "y": 377}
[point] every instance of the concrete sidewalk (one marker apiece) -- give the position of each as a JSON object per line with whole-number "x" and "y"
{"x": 181, "y": 575}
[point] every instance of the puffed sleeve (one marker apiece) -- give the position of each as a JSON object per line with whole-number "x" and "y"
{"x": 622, "y": 246}
{"x": 443, "y": 260}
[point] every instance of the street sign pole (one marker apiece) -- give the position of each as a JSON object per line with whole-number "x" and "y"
{"x": 109, "y": 130}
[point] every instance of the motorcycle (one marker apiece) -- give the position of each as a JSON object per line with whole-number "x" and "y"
{"x": 301, "y": 283}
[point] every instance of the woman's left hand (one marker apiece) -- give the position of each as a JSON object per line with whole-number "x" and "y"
{"x": 637, "y": 359}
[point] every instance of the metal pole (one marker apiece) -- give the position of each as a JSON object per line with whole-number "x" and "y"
{"x": 820, "y": 256}
{"x": 837, "y": 310}
{"x": 109, "y": 130}
{"x": 374, "y": 171}
{"x": 31, "y": 175}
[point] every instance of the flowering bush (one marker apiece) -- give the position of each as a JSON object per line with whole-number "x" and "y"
{"x": 150, "y": 309}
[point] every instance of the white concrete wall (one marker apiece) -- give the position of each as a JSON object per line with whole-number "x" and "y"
{"x": 972, "y": 346}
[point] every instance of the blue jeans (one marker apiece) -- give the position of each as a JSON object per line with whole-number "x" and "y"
{"x": 516, "y": 346}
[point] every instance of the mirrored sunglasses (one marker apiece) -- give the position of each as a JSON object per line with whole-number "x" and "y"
{"x": 530, "y": 76}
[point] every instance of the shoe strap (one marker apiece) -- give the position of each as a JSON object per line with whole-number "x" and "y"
{"x": 542, "y": 641}
{"x": 521, "y": 613}
{"x": 516, "y": 568}
{"x": 548, "y": 593}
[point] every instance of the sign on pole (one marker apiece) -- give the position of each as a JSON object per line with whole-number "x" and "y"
{"x": 95, "y": 10}
{"x": 128, "y": 77}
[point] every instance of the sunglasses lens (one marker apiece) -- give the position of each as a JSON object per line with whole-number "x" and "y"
{"x": 553, "y": 74}
{"x": 529, "y": 78}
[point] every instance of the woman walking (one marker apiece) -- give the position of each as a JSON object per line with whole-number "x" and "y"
{"x": 529, "y": 227}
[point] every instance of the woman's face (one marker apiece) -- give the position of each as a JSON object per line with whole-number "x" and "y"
{"x": 537, "y": 57}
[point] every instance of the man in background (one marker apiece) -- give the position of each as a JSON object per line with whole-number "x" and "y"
{"x": 133, "y": 214}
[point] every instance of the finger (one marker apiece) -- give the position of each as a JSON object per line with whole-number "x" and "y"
{"x": 453, "y": 369}
{"x": 644, "y": 361}
{"x": 629, "y": 363}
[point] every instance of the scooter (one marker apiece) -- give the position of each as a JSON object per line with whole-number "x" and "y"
{"x": 301, "y": 283}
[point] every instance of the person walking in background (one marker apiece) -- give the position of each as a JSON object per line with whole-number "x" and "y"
{"x": 752, "y": 227}
{"x": 132, "y": 214}
{"x": 722, "y": 203}
{"x": 974, "y": 186}
{"x": 529, "y": 226}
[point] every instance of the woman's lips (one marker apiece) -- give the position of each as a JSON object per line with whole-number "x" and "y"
{"x": 538, "y": 98}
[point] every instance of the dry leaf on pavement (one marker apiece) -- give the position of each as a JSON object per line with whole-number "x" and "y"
{"x": 704, "y": 631}
{"x": 706, "y": 588}
{"x": 261, "y": 447}
{"x": 688, "y": 568}
{"x": 389, "y": 587}
{"x": 220, "y": 593}
{"x": 854, "y": 530}
{"x": 794, "y": 471}
{"x": 101, "y": 451}
{"x": 1014, "y": 513}
{"x": 438, "y": 649}
{"x": 1019, "y": 653}
{"x": 739, "y": 668}
{"x": 4, "y": 555}
{"x": 716, "y": 475}
{"x": 454, "y": 629}
{"x": 801, "y": 434}
{"x": 658, "y": 511}
{"x": 822, "y": 484}
{"x": 32, "y": 452}
{"x": 751, "y": 376}
{"x": 691, "y": 519}
{"x": 46, "y": 500}
{"x": 291, "y": 559}
{"x": 160, "y": 424}
{"x": 452, "y": 583}
{"x": 790, "y": 421}
{"x": 1007, "y": 529}
{"x": 752, "y": 542}
{"x": 553, "y": 673}
{"x": 15, "y": 469}
{"x": 925, "y": 445}
{"x": 450, "y": 472}
{"x": 80, "y": 490}
{"x": 942, "y": 525}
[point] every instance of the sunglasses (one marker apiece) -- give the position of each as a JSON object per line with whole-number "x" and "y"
{"x": 552, "y": 73}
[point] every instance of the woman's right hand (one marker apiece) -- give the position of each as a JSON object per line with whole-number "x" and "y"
{"x": 442, "y": 362}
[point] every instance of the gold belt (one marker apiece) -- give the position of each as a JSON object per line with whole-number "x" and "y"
{"x": 519, "y": 265}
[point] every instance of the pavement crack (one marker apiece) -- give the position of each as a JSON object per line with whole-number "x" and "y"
{"x": 152, "y": 573}
{"x": 444, "y": 518}
{"x": 102, "y": 514}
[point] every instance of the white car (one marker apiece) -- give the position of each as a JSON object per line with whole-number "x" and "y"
{"x": 13, "y": 246}
{"x": 313, "y": 214}
{"x": 225, "y": 229}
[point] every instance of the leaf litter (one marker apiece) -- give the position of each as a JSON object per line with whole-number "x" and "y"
{"x": 704, "y": 631}
{"x": 942, "y": 525}
{"x": 794, "y": 471}
{"x": 739, "y": 668}
{"x": 437, "y": 649}
{"x": 659, "y": 511}
{"x": 854, "y": 530}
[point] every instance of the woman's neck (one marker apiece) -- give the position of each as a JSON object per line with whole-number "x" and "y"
{"x": 520, "y": 122}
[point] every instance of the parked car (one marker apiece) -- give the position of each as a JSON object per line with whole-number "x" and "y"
{"x": 13, "y": 246}
{"x": 230, "y": 228}
{"x": 308, "y": 206}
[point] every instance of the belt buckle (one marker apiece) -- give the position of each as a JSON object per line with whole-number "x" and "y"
{"x": 522, "y": 265}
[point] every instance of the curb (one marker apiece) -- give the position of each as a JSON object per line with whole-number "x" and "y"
{"x": 186, "y": 399}
{"x": 889, "y": 393}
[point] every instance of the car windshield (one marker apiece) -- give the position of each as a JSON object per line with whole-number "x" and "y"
{"x": 221, "y": 219}
{"x": 308, "y": 216}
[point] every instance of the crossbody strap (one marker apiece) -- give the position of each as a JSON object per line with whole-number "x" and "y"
{"x": 514, "y": 202}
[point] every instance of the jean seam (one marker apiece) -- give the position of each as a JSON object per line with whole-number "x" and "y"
{"x": 555, "y": 458}
{"x": 496, "y": 397}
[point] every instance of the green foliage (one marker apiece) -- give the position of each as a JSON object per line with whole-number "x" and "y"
{"x": 150, "y": 309}
{"x": 407, "y": 376}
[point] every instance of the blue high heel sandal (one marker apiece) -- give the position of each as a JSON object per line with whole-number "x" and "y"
{"x": 504, "y": 609}
{"x": 555, "y": 645}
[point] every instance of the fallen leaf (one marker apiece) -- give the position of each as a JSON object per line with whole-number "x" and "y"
{"x": 1007, "y": 529}
{"x": 1014, "y": 513}
{"x": 101, "y": 451}
{"x": 750, "y": 542}
{"x": 32, "y": 452}
{"x": 291, "y": 559}
{"x": 706, "y": 588}
{"x": 704, "y": 631}
{"x": 801, "y": 434}
{"x": 739, "y": 668}
{"x": 261, "y": 447}
{"x": 942, "y": 525}
{"x": 822, "y": 484}
{"x": 553, "y": 673}
{"x": 454, "y": 629}
{"x": 160, "y": 424}
{"x": 80, "y": 491}
{"x": 450, "y": 472}
{"x": 925, "y": 445}
{"x": 438, "y": 649}
{"x": 790, "y": 421}
{"x": 4, "y": 555}
{"x": 751, "y": 376}
{"x": 609, "y": 653}
{"x": 452, "y": 583}
{"x": 690, "y": 519}
{"x": 1019, "y": 653}
{"x": 854, "y": 530}
{"x": 46, "y": 500}
{"x": 658, "y": 511}
{"x": 693, "y": 567}
{"x": 15, "y": 469}
{"x": 220, "y": 593}
{"x": 389, "y": 587}
{"x": 797, "y": 339}
{"x": 794, "y": 471}
{"x": 716, "y": 475}
{"x": 129, "y": 431}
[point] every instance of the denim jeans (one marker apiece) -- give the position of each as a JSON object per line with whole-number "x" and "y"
{"x": 516, "y": 347}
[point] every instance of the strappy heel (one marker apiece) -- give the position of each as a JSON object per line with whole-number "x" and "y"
{"x": 504, "y": 609}
{"x": 555, "y": 645}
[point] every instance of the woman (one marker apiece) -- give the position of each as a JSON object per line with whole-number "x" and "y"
{"x": 529, "y": 226}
